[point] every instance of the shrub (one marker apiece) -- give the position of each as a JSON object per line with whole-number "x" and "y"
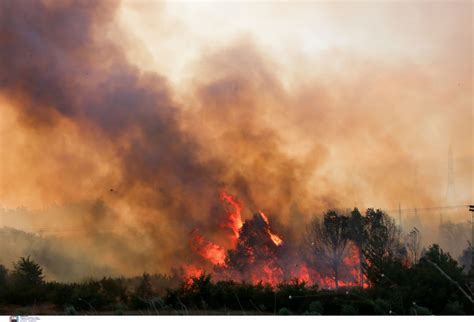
{"x": 70, "y": 310}
{"x": 419, "y": 310}
{"x": 453, "y": 308}
{"x": 284, "y": 311}
{"x": 381, "y": 307}
{"x": 316, "y": 307}
{"x": 347, "y": 309}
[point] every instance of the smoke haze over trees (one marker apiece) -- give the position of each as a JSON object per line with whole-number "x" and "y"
{"x": 119, "y": 131}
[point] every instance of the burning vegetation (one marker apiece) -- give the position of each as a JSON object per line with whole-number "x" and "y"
{"x": 258, "y": 254}
{"x": 137, "y": 157}
{"x": 83, "y": 121}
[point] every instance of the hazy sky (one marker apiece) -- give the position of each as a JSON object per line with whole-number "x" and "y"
{"x": 417, "y": 32}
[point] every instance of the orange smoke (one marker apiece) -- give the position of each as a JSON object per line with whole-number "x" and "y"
{"x": 82, "y": 121}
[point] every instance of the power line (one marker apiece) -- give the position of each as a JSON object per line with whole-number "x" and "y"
{"x": 67, "y": 230}
{"x": 395, "y": 209}
{"x": 428, "y": 208}
{"x": 112, "y": 229}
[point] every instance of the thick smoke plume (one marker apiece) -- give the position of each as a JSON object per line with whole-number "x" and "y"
{"x": 82, "y": 125}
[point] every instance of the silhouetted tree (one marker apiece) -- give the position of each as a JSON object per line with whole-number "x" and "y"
{"x": 3, "y": 281}
{"x": 327, "y": 241}
{"x": 27, "y": 281}
{"x": 3, "y": 276}
{"x": 113, "y": 289}
{"x": 144, "y": 289}
{"x": 143, "y": 293}
{"x": 437, "y": 279}
{"x": 27, "y": 273}
{"x": 383, "y": 243}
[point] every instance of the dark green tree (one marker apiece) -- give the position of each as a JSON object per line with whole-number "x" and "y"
{"x": 27, "y": 273}
{"x": 437, "y": 280}
{"x": 3, "y": 282}
{"x": 453, "y": 308}
{"x": 27, "y": 281}
{"x": 383, "y": 244}
{"x": 145, "y": 289}
{"x": 141, "y": 298}
{"x": 3, "y": 276}
{"x": 316, "y": 307}
{"x": 113, "y": 289}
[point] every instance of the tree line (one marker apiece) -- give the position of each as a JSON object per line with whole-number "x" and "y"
{"x": 403, "y": 279}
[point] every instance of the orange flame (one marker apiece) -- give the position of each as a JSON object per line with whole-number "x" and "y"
{"x": 269, "y": 271}
{"x": 191, "y": 271}
{"x": 264, "y": 217}
{"x": 274, "y": 237}
{"x": 234, "y": 219}
{"x": 208, "y": 250}
{"x": 353, "y": 262}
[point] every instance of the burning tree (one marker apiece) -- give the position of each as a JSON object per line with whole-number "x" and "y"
{"x": 255, "y": 257}
{"x": 257, "y": 254}
{"x": 255, "y": 251}
{"x": 328, "y": 241}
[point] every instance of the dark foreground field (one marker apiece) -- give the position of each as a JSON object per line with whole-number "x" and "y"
{"x": 434, "y": 285}
{"x": 49, "y": 309}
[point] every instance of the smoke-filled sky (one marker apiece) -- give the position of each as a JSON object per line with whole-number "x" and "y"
{"x": 132, "y": 116}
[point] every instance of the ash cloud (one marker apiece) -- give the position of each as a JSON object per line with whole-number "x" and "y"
{"x": 55, "y": 65}
{"x": 83, "y": 123}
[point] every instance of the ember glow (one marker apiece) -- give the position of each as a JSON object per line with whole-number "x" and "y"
{"x": 191, "y": 271}
{"x": 258, "y": 255}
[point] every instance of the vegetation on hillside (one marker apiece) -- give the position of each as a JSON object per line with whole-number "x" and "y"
{"x": 398, "y": 278}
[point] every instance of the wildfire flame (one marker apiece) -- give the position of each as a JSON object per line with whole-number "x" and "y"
{"x": 257, "y": 254}
{"x": 264, "y": 217}
{"x": 207, "y": 249}
{"x": 191, "y": 271}
{"x": 234, "y": 218}
{"x": 274, "y": 237}
{"x": 277, "y": 240}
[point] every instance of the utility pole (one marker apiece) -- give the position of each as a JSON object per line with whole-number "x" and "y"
{"x": 416, "y": 219}
{"x": 471, "y": 209}
{"x": 399, "y": 215}
{"x": 450, "y": 188}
